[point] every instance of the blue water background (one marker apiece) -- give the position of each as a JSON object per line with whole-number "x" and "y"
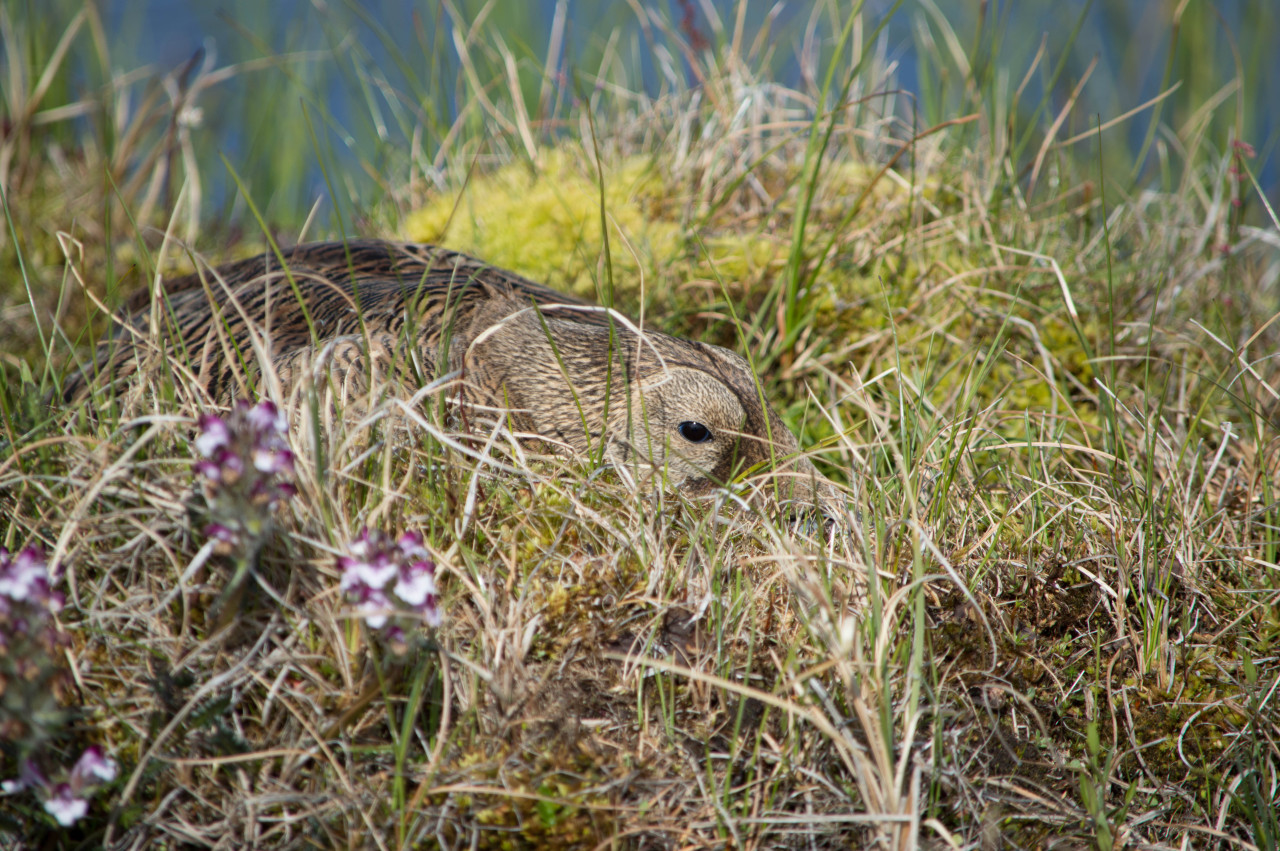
{"x": 1129, "y": 39}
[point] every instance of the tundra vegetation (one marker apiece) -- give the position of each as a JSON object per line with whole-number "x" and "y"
{"x": 1025, "y": 320}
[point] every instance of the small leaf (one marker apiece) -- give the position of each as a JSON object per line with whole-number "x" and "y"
{"x": 1250, "y": 669}
{"x": 548, "y": 811}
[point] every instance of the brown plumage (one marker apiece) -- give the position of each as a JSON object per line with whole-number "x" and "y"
{"x": 563, "y": 369}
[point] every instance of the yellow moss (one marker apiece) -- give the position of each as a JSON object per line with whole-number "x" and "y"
{"x": 546, "y": 224}
{"x": 740, "y": 257}
{"x": 556, "y": 601}
{"x": 1061, "y": 341}
{"x": 848, "y": 179}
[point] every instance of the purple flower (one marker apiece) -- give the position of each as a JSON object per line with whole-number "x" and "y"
{"x": 223, "y": 467}
{"x": 64, "y": 806}
{"x": 358, "y": 573}
{"x": 410, "y": 544}
{"x": 209, "y": 470}
{"x": 390, "y": 580}
{"x": 214, "y": 434}
{"x": 32, "y": 671}
{"x": 265, "y": 417}
{"x": 69, "y": 801}
{"x": 244, "y": 463}
{"x": 20, "y": 577}
{"x": 27, "y": 581}
{"x": 272, "y": 461}
{"x": 374, "y": 606}
{"x": 363, "y": 544}
{"x": 221, "y": 534}
{"x": 416, "y": 582}
{"x": 93, "y": 767}
{"x": 29, "y": 777}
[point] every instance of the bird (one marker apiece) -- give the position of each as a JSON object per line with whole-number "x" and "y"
{"x": 579, "y": 377}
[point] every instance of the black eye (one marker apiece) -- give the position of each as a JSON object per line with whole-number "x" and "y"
{"x": 694, "y": 432}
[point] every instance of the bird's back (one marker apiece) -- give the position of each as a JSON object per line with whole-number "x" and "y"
{"x": 397, "y": 293}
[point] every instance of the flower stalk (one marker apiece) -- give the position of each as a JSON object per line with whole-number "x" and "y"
{"x": 33, "y": 680}
{"x": 33, "y": 677}
{"x": 245, "y": 468}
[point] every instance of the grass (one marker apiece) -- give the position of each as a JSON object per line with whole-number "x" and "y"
{"x": 1042, "y": 366}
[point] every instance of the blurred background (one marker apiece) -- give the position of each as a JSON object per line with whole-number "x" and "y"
{"x": 296, "y": 83}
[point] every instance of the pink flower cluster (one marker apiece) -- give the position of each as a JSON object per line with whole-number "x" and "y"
{"x": 27, "y": 597}
{"x": 67, "y": 802}
{"x": 390, "y": 581}
{"x": 246, "y": 463}
{"x": 31, "y": 644}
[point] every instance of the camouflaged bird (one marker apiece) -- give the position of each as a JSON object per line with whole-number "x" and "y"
{"x": 564, "y": 370}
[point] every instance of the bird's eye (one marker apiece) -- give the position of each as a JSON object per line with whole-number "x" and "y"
{"x": 694, "y": 432}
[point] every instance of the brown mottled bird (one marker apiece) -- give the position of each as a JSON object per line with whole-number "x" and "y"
{"x": 565, "y": 370}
